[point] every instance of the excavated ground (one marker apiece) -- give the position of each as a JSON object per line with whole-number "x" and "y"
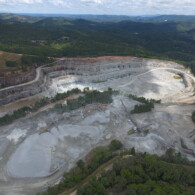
{"x": 32, "y": 159}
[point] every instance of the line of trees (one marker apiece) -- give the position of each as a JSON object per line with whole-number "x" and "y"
{"x": 89, "y": 97}
{"x": 22, "y": 112}
{"x": 9, "y": 118}
{"x": 146, "y": 106}
{"x": 143, "y": 99}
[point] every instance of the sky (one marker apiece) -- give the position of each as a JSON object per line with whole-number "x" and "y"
{"x": 114, "y": 7}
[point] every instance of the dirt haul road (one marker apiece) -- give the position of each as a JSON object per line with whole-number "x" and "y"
{"x": 31, "y": 161}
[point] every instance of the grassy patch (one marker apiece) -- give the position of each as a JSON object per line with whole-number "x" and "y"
{"x": 60, "y": 45}
{"x": 176, "y": 77}
{"x": 130, "y": 132}
{"x": 5, "y": 56}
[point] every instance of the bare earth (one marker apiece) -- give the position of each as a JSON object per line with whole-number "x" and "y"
{"x": 32, "y": 159}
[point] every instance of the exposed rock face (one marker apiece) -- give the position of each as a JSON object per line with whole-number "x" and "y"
{"x": 18, "y": 79}
{"x": 90, "y": 69}
{"x": 35, "y": 151}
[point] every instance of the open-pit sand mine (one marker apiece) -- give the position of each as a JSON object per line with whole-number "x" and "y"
{"x": 32, "y": 159}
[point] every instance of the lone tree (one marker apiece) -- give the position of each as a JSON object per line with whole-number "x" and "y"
{"x": 115, "y": 145}
{"x": 133, "y": 151}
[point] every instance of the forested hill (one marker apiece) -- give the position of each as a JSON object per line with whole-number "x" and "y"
{"x": 31, "y": 18}
{"x": 78, "y": 37}
{"x": 130, "y": 173}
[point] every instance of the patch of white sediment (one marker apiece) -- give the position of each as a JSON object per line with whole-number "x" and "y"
{"x": 152, "y": 143}
{"x": 101, "y": 117}
{"x": 64, "y": 84}
{"x": 16, "y": 134}
{"x": 42, "y": 124}
{"x": 36, "y": 155}
{"x": 33, "y": 157}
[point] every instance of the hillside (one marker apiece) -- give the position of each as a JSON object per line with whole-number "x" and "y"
{"x": 127, "y": 173}
{"x": 58, "y": 37}
{"x": 4, "y": 57}
{"x": 19, "y": 18}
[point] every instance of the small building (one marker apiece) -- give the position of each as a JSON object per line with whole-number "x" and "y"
{"x": 65, "y": 38}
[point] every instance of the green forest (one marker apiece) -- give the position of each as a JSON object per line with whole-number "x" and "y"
{"x": 140, "y": 175}
{"x": 42, "y": 39}
{"x": 131, "y": 173}
{"x": 72, "y": 37}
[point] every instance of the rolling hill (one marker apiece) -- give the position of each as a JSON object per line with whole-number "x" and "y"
{"x": 58, "y": 36}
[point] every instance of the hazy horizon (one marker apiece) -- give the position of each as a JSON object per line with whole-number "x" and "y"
{"x": 99, "y": 7}
{"x": 75, "y": 14}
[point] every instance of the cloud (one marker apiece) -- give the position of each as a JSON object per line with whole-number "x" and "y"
{"x": 93, "y": 1}
{"x": 128, "y": 7}
{"x": 8, "y": 2}
{"x": 60, "y": 3}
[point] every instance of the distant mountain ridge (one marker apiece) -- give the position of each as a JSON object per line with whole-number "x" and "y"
{"x": 19, "y": 18}
{"x": 163, "y": 37}
{"x": 31, "y": 18}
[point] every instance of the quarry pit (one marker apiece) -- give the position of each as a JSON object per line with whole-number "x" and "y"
{"x": 36, "y": 150}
